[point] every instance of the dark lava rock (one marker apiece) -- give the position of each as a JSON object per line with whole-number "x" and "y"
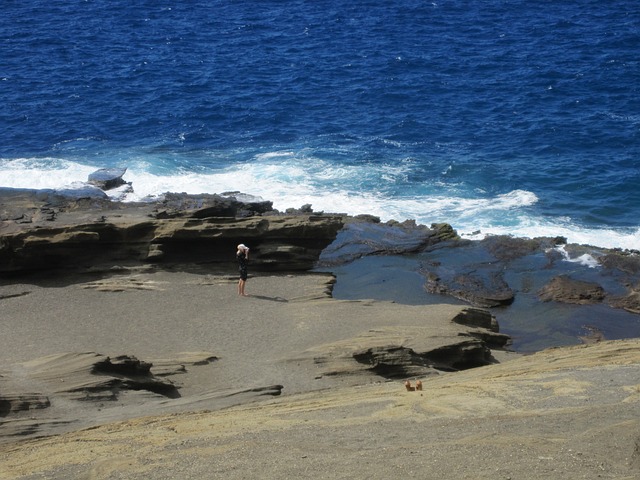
{"x": 365, "y": 235}
{"x": 481, "y": 289}
{"x": 567, "y": 290}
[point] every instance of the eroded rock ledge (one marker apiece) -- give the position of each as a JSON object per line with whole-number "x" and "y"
{"x": 45, "y": 230}
{"x": 403, "y": 351}
{"x": 88, "y": 378}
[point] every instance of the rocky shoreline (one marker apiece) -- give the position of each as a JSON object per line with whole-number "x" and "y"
{"x": 113, "y": 311}
{"x": 49, "y": 231}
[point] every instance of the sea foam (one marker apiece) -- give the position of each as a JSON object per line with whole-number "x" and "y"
{"x": 291, "y": 181}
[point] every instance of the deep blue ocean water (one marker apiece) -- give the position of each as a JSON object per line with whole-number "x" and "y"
{"x": 497, "y": 116}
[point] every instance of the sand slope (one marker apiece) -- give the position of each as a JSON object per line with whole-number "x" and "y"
{"x": 563, "y": 413}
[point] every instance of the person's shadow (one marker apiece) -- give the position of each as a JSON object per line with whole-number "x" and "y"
{"x": 272, "y": 299}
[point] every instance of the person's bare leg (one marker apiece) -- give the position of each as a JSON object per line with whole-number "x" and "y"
{"x": 241, "y": 284}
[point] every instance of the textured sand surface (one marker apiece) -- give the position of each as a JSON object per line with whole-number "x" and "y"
{"x": 565, "y": 413}
{"x": 562, "y": 413}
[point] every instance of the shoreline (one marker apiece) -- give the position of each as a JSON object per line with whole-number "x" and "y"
{"x": 162, "y": 368}
{"x": 521, "y": 281}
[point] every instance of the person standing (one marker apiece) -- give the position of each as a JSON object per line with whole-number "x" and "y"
{"x": 242, "y": 254}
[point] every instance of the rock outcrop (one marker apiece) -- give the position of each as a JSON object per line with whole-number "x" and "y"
{"x": 567, "y": 290}
{"x": 366, "y": 235}
{"x": 629, "y": 302}
{"x": 87, "y": 380}
{"x": 410, "y": 351}
{"x": 108, "y": 178}
{"x": 490, "y": 273}
{"x": 43, "y": 230}
{"x": 482, "y": 289}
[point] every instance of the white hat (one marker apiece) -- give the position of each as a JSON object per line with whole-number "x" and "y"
{"x": 243, "y": 247}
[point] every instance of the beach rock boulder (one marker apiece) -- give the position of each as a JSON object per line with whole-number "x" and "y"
{"x": 107, "y": 178}
{"x": 506, "y": 248}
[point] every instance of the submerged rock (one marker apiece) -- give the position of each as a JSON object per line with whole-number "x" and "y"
{"x": 567, "y": 290}
{"x": 629, "y": 302}
{"x": 490, "y": 273}
{"x": 481, "y": 289}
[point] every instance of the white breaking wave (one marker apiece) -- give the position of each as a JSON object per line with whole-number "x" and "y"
{"x": 291, "y": 182}
{"x": 584, "y": 259}
{"x": 41, "y": 173}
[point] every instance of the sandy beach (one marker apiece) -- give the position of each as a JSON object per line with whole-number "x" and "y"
{"x": 562, "y": 413}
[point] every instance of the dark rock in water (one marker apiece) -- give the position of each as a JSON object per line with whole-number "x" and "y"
{"x": 107, "y": 178}
{"x": 364, "y": 235}
{"x": 629, "y": 302}
{"x": 593, "y": 335}
{"x": 480, "y": 288}
{"x": 505, "y": 248}
{"x": 507, "y": 275}
{"x": 626, "y": 263}
{"x": 567, "y": 290}
{"x": 480, "y": 272}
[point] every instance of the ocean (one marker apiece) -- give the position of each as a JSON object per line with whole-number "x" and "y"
{"x": 498, "y": 117}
